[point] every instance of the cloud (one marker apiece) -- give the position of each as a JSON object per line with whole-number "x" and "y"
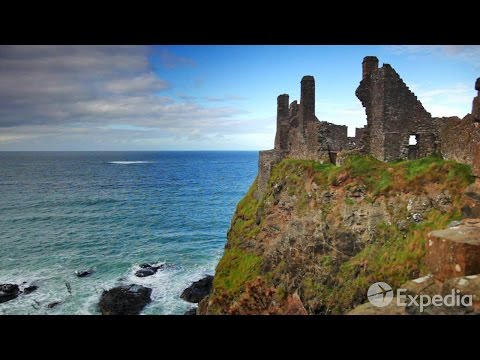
{"x": 85, "y": 97}
{"x": 225, "y": 98}
{"x": 449, "y": 101}
{"x": 170, "y": 60}
{"x": 144, "y": 83}
{"x": 468, "y": 53}
{"x": 350, "y": 113}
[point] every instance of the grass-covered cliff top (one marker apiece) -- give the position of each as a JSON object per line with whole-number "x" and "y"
{"x": 327, "y": 281}
{"x": 379, "y": 177}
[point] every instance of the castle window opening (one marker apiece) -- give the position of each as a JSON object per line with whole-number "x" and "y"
{"x": 413, "y": 140}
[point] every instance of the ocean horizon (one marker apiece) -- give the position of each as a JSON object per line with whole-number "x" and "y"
{"x": 109, "y": 212}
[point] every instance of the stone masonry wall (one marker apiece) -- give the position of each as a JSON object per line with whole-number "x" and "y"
{"x": 457, "y": 138}
{"x": 266, "y": 160}
{"x": 476, "y": 102}
{"x": 337, "y": 138}
{"x": 359, "y": 133}
{"x": 394, "y": 114}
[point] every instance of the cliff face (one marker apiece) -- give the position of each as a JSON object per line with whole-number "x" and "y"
{"x": 321, "y": 235}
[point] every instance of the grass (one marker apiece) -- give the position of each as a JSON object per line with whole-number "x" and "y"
{"x": 417, "y": 168}
{"x": 349, "y": 201}
{"x": 235, "y": 269}
{"x": 244, "y": 225}
{"x": 393, "y": 256}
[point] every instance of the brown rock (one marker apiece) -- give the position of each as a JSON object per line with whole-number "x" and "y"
{"x": 466, "y": 285}
{"x": 425, "y": 285}
{"x": 295, "y": 306}
{"x": 455, "y": 251}
{"x": 470, "y": 201}
{"x": 370, "y": 309}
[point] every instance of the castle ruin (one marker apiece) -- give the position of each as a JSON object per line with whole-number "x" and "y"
{"x": 394, "y": 117}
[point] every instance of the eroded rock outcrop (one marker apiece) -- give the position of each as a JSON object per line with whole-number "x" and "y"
{"x": 311, "y": 235}
{"x": 198, "y": 290}
{"x": 325, "y": 233}
{"x": 8, "y": 292}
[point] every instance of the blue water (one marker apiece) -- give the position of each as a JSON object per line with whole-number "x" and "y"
{"x": 111, "y": 211}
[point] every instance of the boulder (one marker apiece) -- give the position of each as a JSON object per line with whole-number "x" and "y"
{"x": 124, "y": 300}
{"x": 465, "y": 285}
{"x": 83, "y": 273}
{"x": 471, "y": 202}
{"x": 53, "y": 304}
{"x": 30, "y": 289}
{"x": 455, "y": 251}
{"x": 145, "y": 272}
{"x": 370, "y": 309}
{"x": 148, "y": 270}
{"x": 198, "y": 290}
{"x": 192, "y": 311}
{"x": 8, "y": 292}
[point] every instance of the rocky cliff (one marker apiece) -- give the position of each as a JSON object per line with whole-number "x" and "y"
{"x": 321, "y": 234}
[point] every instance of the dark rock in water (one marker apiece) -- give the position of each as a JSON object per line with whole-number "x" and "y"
{"x": 145, "y": 272}
{"x": 148, "y": 266}
{"x": 30, "y": 289}
{"x": 191, "y": 312}
{"x": 84, "y": 273}
{"x": 53, "y": 304}
{"x": 198, "y": 290}
{"x": 8, "y": 292}
{"x": 125, "y": 300}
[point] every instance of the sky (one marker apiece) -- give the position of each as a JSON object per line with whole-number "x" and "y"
{"x": 203, "y": 97}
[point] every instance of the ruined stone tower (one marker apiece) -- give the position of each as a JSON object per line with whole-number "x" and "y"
{"x": 394, "y": 115}
{"x": 369, "y": 66}
{"x": 300, "y": 135}
{"x": 307, "y": 100}
{"x": 283, "y": 125}
{"x": 476, "y": 102}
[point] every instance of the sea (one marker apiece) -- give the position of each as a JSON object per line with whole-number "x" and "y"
{"x": 109, "y": 212}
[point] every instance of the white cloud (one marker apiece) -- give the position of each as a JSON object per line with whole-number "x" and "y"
{"x": 445, "y": 101}
{"x": 171, "y": 60}
{"x": 63, "y": 95}
{"x": 140, "y": 84}
{"x": 351, "y": 114}
{"x": 468, "y": 53}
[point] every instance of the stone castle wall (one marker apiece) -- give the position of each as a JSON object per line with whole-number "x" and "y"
{"x": 266, "y": 160}
{"x": 394, "y": 116}
{"x": 457, "y": 138}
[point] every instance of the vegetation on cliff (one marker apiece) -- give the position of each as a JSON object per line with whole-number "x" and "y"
{"x": 323, "y": 233}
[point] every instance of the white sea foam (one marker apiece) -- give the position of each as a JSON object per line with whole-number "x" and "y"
{"x": 167, "y": 284}
{"x": 130, "y": 162}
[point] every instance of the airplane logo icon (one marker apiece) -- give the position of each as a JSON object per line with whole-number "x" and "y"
{"x": 380, "y": 294}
